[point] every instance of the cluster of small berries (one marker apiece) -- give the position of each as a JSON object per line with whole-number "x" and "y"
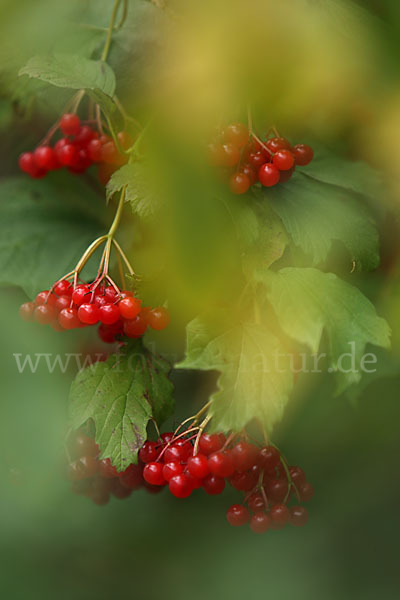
{"x": 262, "y": 473}
{"x": 80, "y": 147}
{"x": 119, "y": 312}
{"x": 250, "y": 159}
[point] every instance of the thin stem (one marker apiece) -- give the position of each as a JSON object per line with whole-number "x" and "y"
{"x": 124, "y": 258}
{"x": 88, "y": 253}
{"x": 202, "y": 426}
{"x": 117, "y": 217}
{"x": 107, "y": 44}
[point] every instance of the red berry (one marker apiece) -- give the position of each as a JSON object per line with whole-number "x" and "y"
{"x": 170, "y": 469}
{"x": 213, "y": 485}
{"x": 83, "y": 445}
{"x": 110, "y": 294}
{"x": 230, "y": 155}
{"x": 239, "y": 183}
{"x": 107, "y": 469}
{"x": 118, "y": 490}
{"x": 283, "y": 159}
{"x": 83, "y": 468}
{"x": 153, "y": 473}
{"x": 68, "y": 318}
{"x": 298, "y": 516}
{"x": 209, "y": 443}
{"x": 278, "y": 143}
{"x": 244, "y": 482}
{"x": 46, "y": 298}
{"x": 80, "y": 294}
{"x": 269, "y": 457}
{"x": 174, "y": 453}
{"x": 27, "y": 163}
{"x": 248, "y": 170}
{"x": 129, "y": 307}
{"x": 306, "y": 491}
{"x": 303, "y": 154}
{"x": 132, "y": 477}
{"x": 45, "y": 158}
{"x": 277, "y": 490}
{"x": 109, "y": 314}
{"x": 257, "y": 159}
{"x": 85, "y": 135}
{"x": 268, "y": 175}
{"x": 297, "y": 475}
{"x": 221, "y": 464}
{"x": 63, "y": 288}
{"x": 149, "y": 452}
{"x": 63, "y": 302}
{"x": 180, "y": 486}
{"x": 279, "y": 513}
{"x": 260, "y": 522}
{"x": 237, "y": 134}
{"x": 110, "y": 154}
{"x": 286, "y": 175}
{"x": 237, "y": 515}
{"x": 167, "y": 437}
{"x": 26, "y": 311}
{"x": 256, "y": 503}
{"x": 88, "y": 313}
{"x": 70, "y": 124}
{"x": 158, "y": 318}
{"x": 135, "y": 328}
{"x": 244, "y": 456}
{"x": 198, "y": 466}
{"x": 67, "y": 155}
{"x": 94, "y": 150}
{"x": 45, "y": 314}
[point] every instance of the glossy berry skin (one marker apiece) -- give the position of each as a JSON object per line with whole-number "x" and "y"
{"x": 260, "y": 522}
{"x": 278, "y": 143}
{"x": 68, "y": 318}
{"x": 70, "y": 124}
{"x": 174, "y": 453}
{"x": 170, "y": 469}
{"x": 303, "y": 154}
{"x": 279, "y": 513}
{"x": 298, "y": 516}
{"x": 26, "y": 311}
{"x": 256, "y": 503}
{"x": 244, "y": 456}
{"x": 221, "y": 464}
{"x": 297, "y": 475}
{"x": 213, "y": 485}
{"x": 239, "y": 183}
{"x": 45, "y": 158}
{"x": 180, "y": 486}
{"x": 88, "y": 313}
{"x": 198, "y": 466}
{"x": 80, "y": 295}
{"x": 306, "y": 491}
{"x": 153, "y": 473}
{"x": 277, "y": 490}
{"x": 244, "y": 482}
{"x": 135, "y": 328}
{"x": 45, "y": 298}
{"x": 230, "y": 155}
{"x": 286, "y": 175}
{"x": 209, "y": 443}
{"x": 129, "y": 307}
{"x": 149, "y": 452}
{"x": 283, "y": 159}
{"x": 27, "y": 164}
{"x": 158, "y": 318}
{"x": 268, "y": 175}
{"x": 94, "y": 150}
{"x": 237, "y": 134}
{"x": 63, "y": 288}
{"x": 248, "y": 169}
{"x": 107, "y": 469}
{"x": 237, "y": 515}
{"x": 84, "y": 135}
{"x": 109, "y": 314}
{"x": 257, "y": 159}
{"x": 45, "y": 314}
{"x": 132, "y": 477}
{"x": 67, "y": 155}
{"x": 269, "y": 457}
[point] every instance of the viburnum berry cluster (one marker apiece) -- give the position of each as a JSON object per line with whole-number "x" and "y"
{"x": 79, "y": 147}
{"x": 119, "y": 312}
{"x": 250, "y": 159}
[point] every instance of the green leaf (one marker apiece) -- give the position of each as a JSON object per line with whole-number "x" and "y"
{"x": 309, "y": 302}
{"x": 45, "y": 226}
{"x": 315, "y": 214}
{"x": 72, "y": 71}
{"x": 121, "y": 395}
{"x": 139, "y": 192}
{"x": 255, "y": 380}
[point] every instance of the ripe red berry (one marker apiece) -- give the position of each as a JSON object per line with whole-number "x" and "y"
{"x": 298, "y": 516}
{"x": 239, "y": 183}
{"x": 132, "y": 477}
{"x": 256, "y": 503}
{"x": 221, "y": 464}
{"x": 45, "y": 298}
{"x": 153, "y": 473}
{"x": 167, "y": 437}
{"x": 135, "y": 328}
{"x": 158, "y": 318}
{"x": 45, "y": 158}
{"x": 80, "y": 294}
{"x": 28, "y": 165}
{"x": 68, "y": 318}
{"x": 67, "y": 155}
{"x": 230, "y": 155}
{"x": 107, "y": 469}
{"x": 278, "y": 143}
{"x": 237, "y": 134}
{"x": 84, "y": 135}
{"x": 45, "y": 314}
{"x": 88, "y": 313}
{"x": 303, "y": 154}
{"x": 279, "y": 513}
{"x": 244, "y": 482}
{"x": 237, "y": 515}
{"x": 247, "y": 169}
{"x": 70, "y": 124}
{"x": 277, "y": 490}
{"x": 180, "y": 486}
{"x": 198, "y": 466}
{"x": 149, "y": 452}
{"x": 283, "y": 159}
{"x": 306, "y": 491}
{"x": 170, "y": 469}
{"x": 174, "y": 453}
{"x": 129, "y": 307}
{"x": 286, "y": 175}
{"x": 83, "y": 468}
{"x": 209, "y": 443}
{"x": 83, "y": 445}
{"x": 297, "y": 475}
{"x": 244, "y": 456}
{"x": 94, "y": 150}
{"x": 213, "y": 485}
{"x": 109, "y": 314}
{"x": 257, "y": 159}
{"x": 63, "y": 288}
{"x": 26, "y": 311}
{"x": 269, "y": 457}
{"x": 268, "y": 175}
{"x": 260, "y": 522}
{"x": 110, "y": 294}
{"x": 110, "y": 154}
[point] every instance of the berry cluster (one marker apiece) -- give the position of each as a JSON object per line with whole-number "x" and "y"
{"x": 250, "y": 159}
{"x": 119, "y": 312}
{"x": 262, "y": 473}
{"x": 77, "y": 150}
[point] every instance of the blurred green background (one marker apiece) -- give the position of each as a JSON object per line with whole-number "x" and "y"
{"x": 56, "y": 544}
